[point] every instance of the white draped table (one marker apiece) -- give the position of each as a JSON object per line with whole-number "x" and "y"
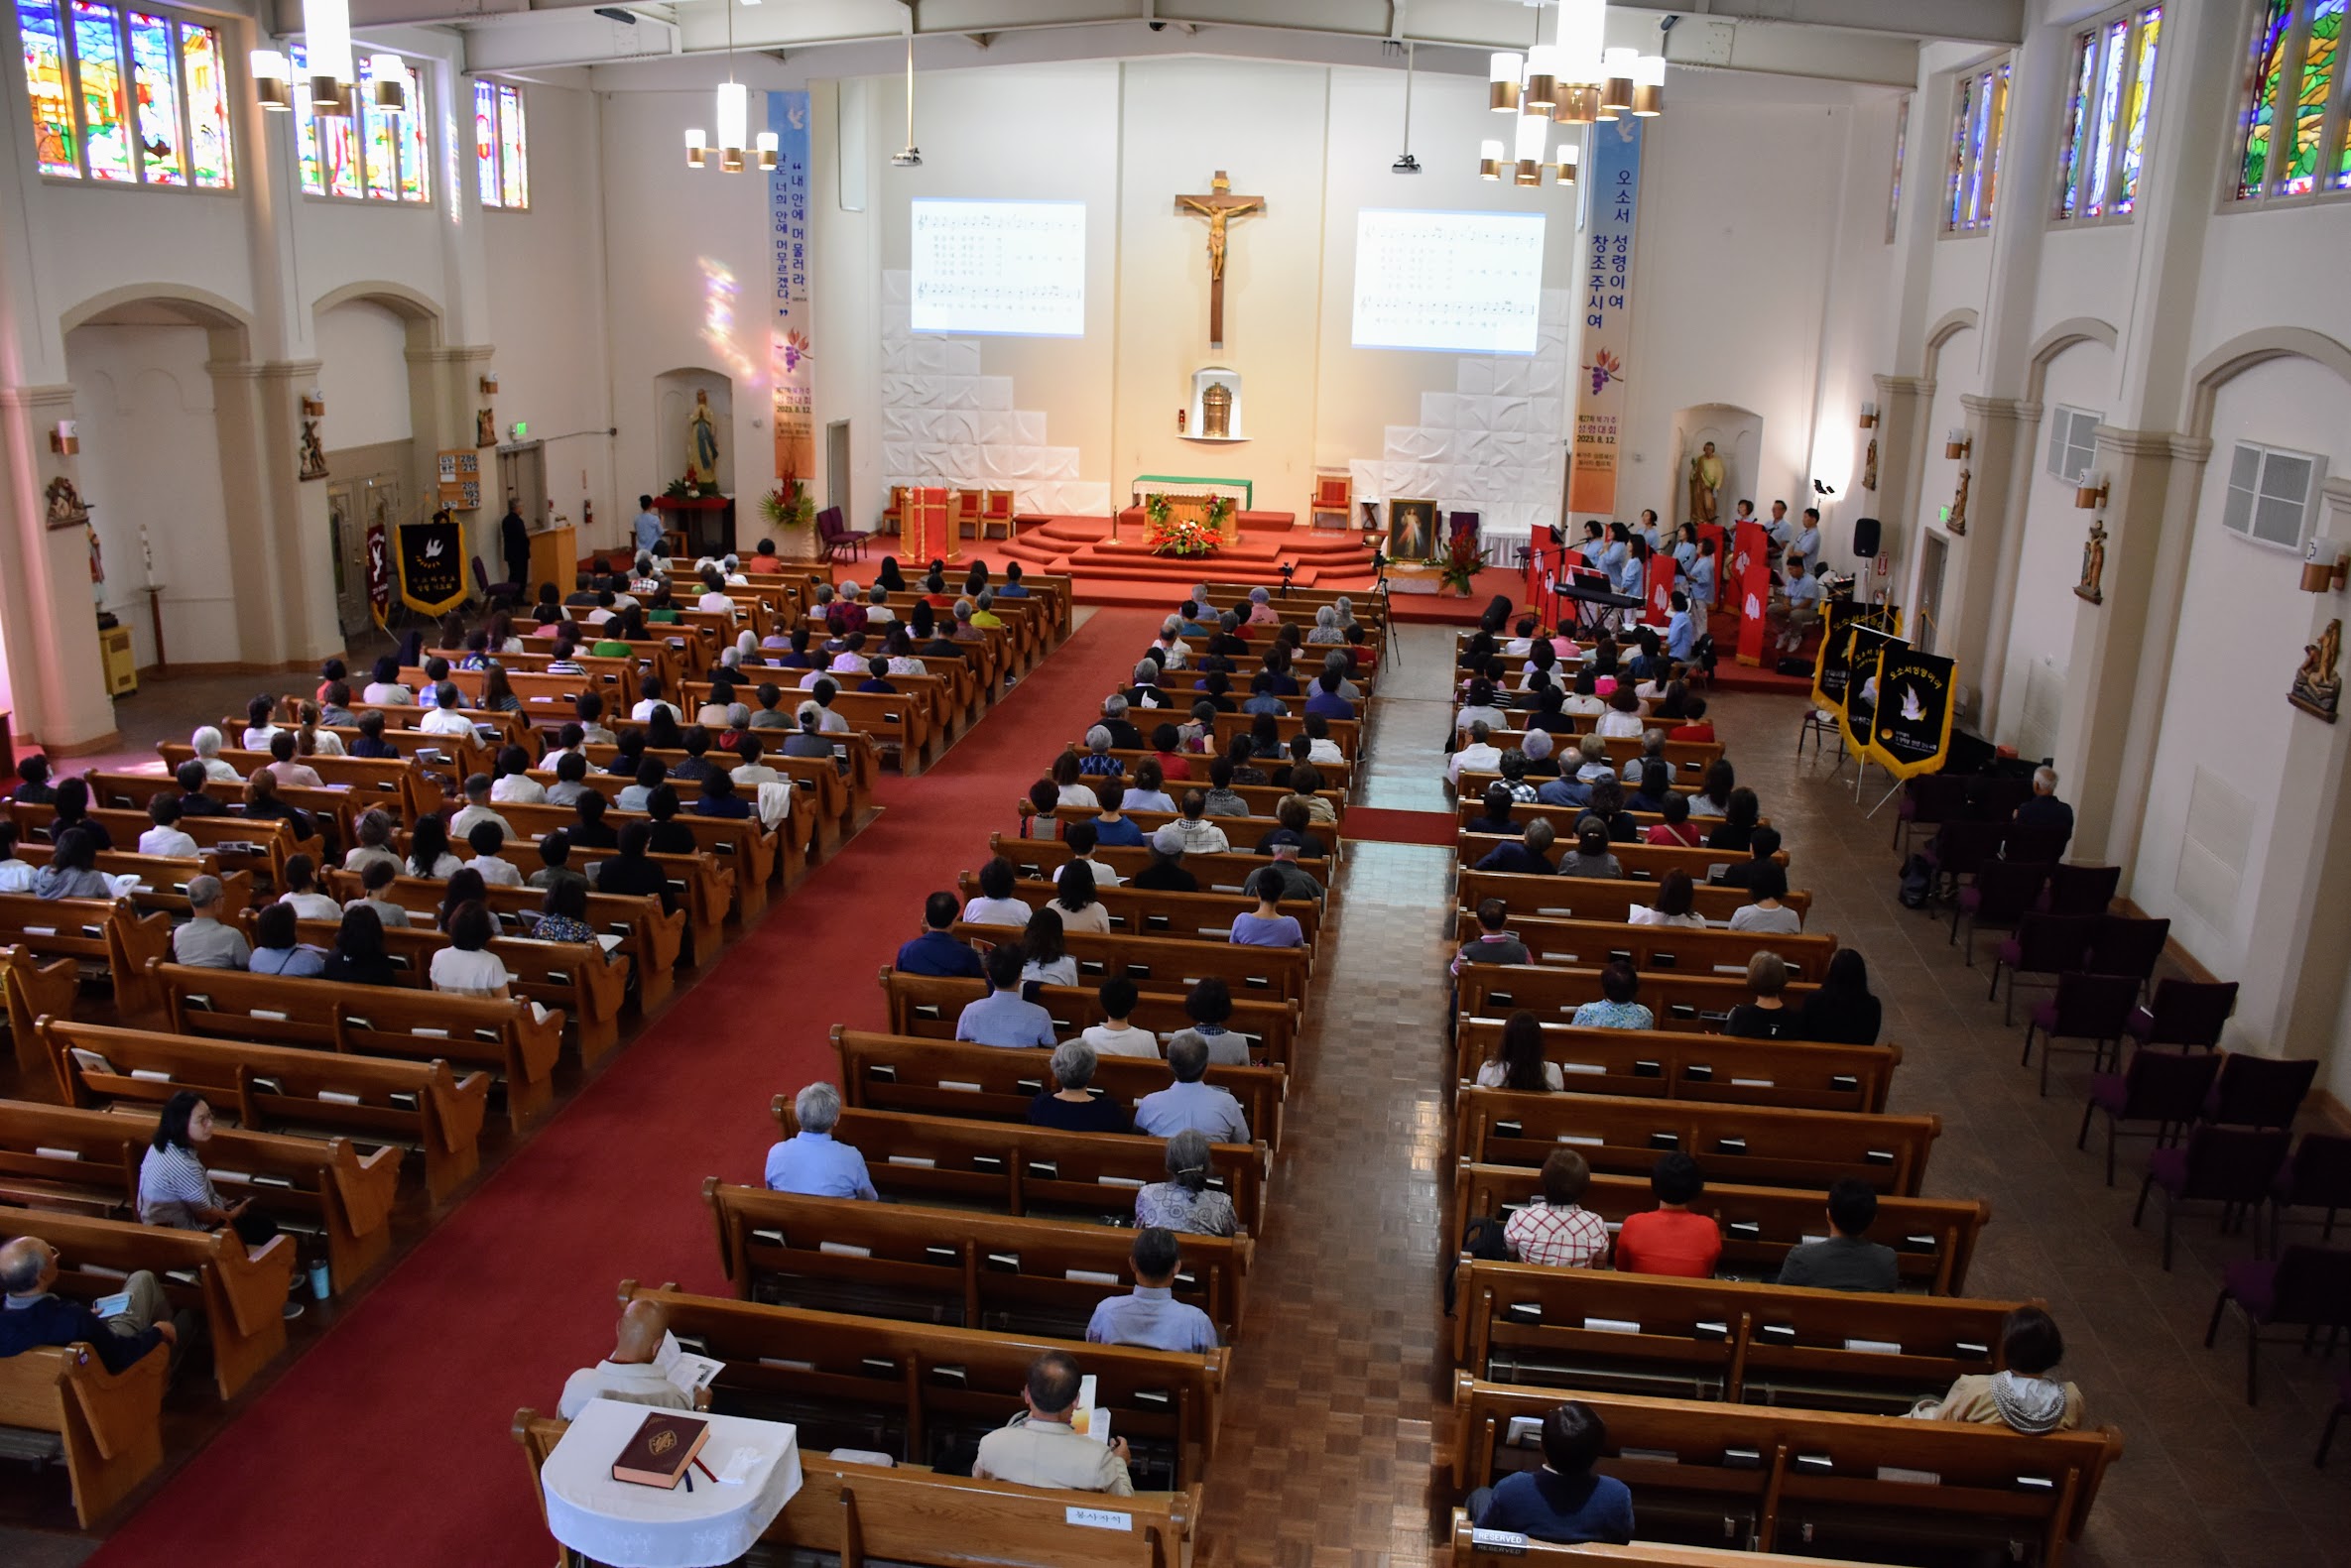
{"x": 626, "y": 1525}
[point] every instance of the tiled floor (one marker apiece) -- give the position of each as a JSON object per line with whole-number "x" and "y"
{"x": 1339, "y": 1389}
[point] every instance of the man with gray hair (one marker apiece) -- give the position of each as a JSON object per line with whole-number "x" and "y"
{"x": 1339, "y": 664}
{"x": 206, "y": 942}
{"x": 35, "y": 1316}
{"x": 1040, "y": 1448}
{"x": 1123, "y": 733}
{"x": 1653, "y": 749}
{"x": 810, "y": 742}
{"x": 809, "y": 1163}
{"x": 1481, "y": 755}
{"x": 1145, "y": 692}
{"x": 1171, "y": 643}
{"x": 1068, "y": 1106}
{"x": 1188, "y": 1103}
{"x": 2043, "y": 809}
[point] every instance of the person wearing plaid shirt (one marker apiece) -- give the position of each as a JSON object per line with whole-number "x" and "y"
{"x": 1553, "y": 1229}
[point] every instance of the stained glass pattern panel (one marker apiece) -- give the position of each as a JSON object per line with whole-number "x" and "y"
{"x": 97, "y": 54}
{"x": 2151, "y": 30}
{"x": 2268, "y": 63}
{"x": 2085, "y": 78}
{"x": 376, "y": 137}
{"x": 56, "y": 138}
{"x": 2110, "y": 93}
{"x": 155, "y": 86}
{"x": 514, "y": 162}
{"x": 370, "y": 155}
{"x": 416, "y": 167}
{"x": 1977, "y": 139}
{"x": 2321, "y": 53}
{"x": 1963, "y": 115}
{"x": 212, "y": 150}
{"x": 485, "y": 141}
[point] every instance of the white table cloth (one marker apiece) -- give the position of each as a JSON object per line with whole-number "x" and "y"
{"x": 626, "y": 1525}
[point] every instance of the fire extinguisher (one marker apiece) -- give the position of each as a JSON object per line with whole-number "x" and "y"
{"x": 587, "y": 515}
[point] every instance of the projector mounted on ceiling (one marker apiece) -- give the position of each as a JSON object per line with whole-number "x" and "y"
{"x": 1407, "y": 164}
{"x": 613, "y": 13}
{"x": 912, "y": 158}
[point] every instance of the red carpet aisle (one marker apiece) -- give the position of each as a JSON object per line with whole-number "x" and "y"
{"x": 386, "y": 1446}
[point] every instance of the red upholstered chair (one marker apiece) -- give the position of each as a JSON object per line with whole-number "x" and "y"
{"x": 2185, "y": 1013}
{"x": 995, "y": 513}
{"x": 902, "y": 498}
{"x": 1928, "y": 800}
{"x": 2308, "y": 1288}
{"x": 2167, "y": 1088}
{"x": 2342, "y": 1407}
{"x": 836, "y": 536}
{"x": 2317, "y": 1178}
{"x": 2087, "y": 1007}
{"x": 1335, "y": 496}
{"x": 2001, "y": 895}
{"x": 2259, "y": 1091}
{"x": 2082, "y": 890}
{"x": 2044, "y": 944}
{"x": 2220, "y": 1164}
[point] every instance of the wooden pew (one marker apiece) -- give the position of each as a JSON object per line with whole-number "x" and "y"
{"x": 163, "y": 878}
{"x": 407, "y": 789}
{"x": 1760, "y": 1145}
{"x": 1809, "y": 1476}
{"x": 1033, "y": 1170}
{"x": 1689, "y": 760}
{"x": 1665, "y": 1064}
{"x": 422, "y": 1108}
{"x": 1595, "y": 898}
{"x": 1642, "y": 862}
{"x": 740, "y": 844}
{"x": 938, "y": 696}
{"x": 1345, "y": 734}
{"x": 1044, "y": 858}
{"x": 1337, "y": 777}
{"x": 1475, "y": 1549}
{"x": 574, "y": 981}
{"x": 1565, "y": 817}
{"x": 506, "y": 1038}
{"x": 108, "y": 1425}
{"x": 833, "y": 806}
{"x": 99, "y": 936}
{"x": 260, "y": 847}
{"x": 36, "y": 990}
{"x": 950, "y": 1266}
{"x": 1172, "y": 964}
{"x": 853, "y": 1511}
{"x": 828, "y": 1371}
{"x": 491, "y": 728}
{"x": 1697, "y": 1004}
{"x": 650, "y": 940}
{"x": 1716, "y": 1339}
{"x": 239, "y": 1294}
{"x": 1933, "y": 1238}
{"x": 58, "y": 1156}
{"x": 1263, "y": 800}
{"x": 1241, "y": 832}
{"x": 702, "y": 889}
{"x": 929, "y": 1006}
{"x": 933, "y": 1077}
{"x": 1201, "y": 916}
{"x": 1683, "y": 949}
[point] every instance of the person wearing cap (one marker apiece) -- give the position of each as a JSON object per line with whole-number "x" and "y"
{"x": 1165, "y": 873}
{"x": 1283, "y": 844}
{"x": 205, "y": 942}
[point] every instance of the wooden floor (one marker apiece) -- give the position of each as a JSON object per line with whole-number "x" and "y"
{"x": 1338, "y": 1401}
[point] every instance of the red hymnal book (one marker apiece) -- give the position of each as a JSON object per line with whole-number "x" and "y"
{"x": 663, "y": 1446}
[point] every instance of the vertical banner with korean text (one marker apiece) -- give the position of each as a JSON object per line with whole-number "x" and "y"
{"x": 788, "y": 234}
{"x": 1910, "y": 732}
{"x": 1612, "y": 176}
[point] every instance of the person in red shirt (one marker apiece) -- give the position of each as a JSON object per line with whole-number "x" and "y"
{"x": 1167, "y": 744}
{"x": 1669, "y": 1239}
{"x": 1695, "y": 725}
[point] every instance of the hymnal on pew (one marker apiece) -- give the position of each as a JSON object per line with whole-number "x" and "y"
{"x": 663, "y": 1445}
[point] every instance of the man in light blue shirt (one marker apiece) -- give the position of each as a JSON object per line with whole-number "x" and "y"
{"x": 1189, "y": 1104}
{"x": 1803, "y": 606}
{"x": 1682, "y": 632}
{"x": 1151, "y": 1317}
{"x": 1807, "y": 547}
{"x": 648, "y": 527}
{"x": 1001, "y": 1018}
{"x": 809, "y": 1163}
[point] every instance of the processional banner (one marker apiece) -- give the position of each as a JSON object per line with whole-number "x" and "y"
{"x": 788, "y": 236}
{"x": 1614, "y": 177}
{"x": 1912, "y": 730}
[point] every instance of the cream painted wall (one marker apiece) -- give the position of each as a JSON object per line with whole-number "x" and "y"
{"x": 2226, "y": 711}
{"x": 2041, "y": 629}
{"x": 363, "y": 370}
{"x": 151, "y": 457}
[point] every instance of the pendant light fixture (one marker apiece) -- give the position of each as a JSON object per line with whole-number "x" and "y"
{"x": 1502, "y": 70}
{"x": 327, "y": 40}
{"x": 392, "y": 86}
{"x": 732, "y": 121}
{"x": 1406, "y": 162}
{"x": 911, "y": 156}
{"x": 1572, "y": 78}
{"x": 1649, "y": 86}
{"x": 273, "y": 80}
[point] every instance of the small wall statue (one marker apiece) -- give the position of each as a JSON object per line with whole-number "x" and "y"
{"x": 2093, "y": 566}
{"x": 2318, "y": 688}
{"x": 1957, "y": 521}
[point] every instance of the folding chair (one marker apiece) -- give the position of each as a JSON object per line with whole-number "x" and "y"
{"x": 2185, "y": 1013}
{"x": 2086, "y": 1006}
{"x": 2220, "y": 1164}
{"x": 2082, "y": 890}
{"x": 2167, "y": 1088}
{"x": 2317, "y": 1178}
{"x": 2259, "y": 1091}
{"x": 2044, "y": 944}
{"x": 2001, "y": 895}
{"x": 2343, "y": 1407}
{"x": 1928, "y": 800}
{"x": 2308, "y": 1288}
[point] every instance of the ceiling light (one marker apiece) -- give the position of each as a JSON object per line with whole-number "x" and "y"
{"x": 1541, "y": 92}
{"x": 273, "y": 78}
{"x": 1502, "y": 81}
{"x": 1489, "y": 159}
{"x": 1649, "y": 86}
{"x": 1616, "y": 87}
{"x": 326, "y": 40}
{"x": 393, "y": 85}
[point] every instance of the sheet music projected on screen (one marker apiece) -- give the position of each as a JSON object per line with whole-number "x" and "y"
{"x": 1460, "y": 282}
{"x": 1008, "y": 268}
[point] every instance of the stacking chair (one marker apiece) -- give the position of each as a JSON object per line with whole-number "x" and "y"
{"x": 2044, "y": 944}
{"x": 495, "y": 594}
{"x": 1928, "y": 800}
{"x": 2342, "y": 1407}
{"x": 2086, "y": 1006}
{"x": 2317, "y": 1178}
{"x": 1961, "y": 849}
{"x": 2185, "y": 1013}
{"x": 2167, "y": 1088}
{"x": 2308, "y": 1288}
{"x": 2043, "y": 844}
{"x": 2122, "y": 945}
{"x": 2082, "y": 890}
{"x": 2259, "y": 1091}
{"x": 2220, "y": 1164}
{"x": 2001, "y": 895}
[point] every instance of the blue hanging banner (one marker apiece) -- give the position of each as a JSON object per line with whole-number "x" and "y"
{"x": 793, "y": 347}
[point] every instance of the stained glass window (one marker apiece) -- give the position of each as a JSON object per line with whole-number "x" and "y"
{"x": 211, "y": 154}
{"x": 2110, "y": 88}
{"x": 368, "y": 154}
{"x": 2110, "y": 93}
{"x": 57, "y": 134}
{"x": 2150, "y": 27}
{"x": 1963, "y": 115}
{"x": 501, "y": 151}
{"x": 97, "y": 59}
{"x": 2296, "y": 100}
{"x": 2083, "y": 80}
{"x": 117, "y": 94}
{"x": 1901, "y": 136}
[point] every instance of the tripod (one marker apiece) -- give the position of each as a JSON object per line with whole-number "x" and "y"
{"x": 1378, "y": 588}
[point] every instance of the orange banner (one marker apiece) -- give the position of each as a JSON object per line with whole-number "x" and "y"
{"x": 1606, "y": 279}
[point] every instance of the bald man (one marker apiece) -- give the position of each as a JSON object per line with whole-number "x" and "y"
{"x": 34, "y": 1315}
{"x": 632, "y": 1371}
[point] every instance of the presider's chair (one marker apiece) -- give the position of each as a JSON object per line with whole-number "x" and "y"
{"x": 1334, "y": 497}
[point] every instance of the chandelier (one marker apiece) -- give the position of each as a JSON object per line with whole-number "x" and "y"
{"x": 332, "y": 89}
{"x": 1573, "y": 79}
{"x": 733, "y": 119}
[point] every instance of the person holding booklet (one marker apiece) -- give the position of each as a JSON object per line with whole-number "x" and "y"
{"x": 646, "y": 1367}
{"x": 1042, "y": 1447}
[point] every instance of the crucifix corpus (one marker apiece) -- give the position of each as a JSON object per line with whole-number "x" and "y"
{"x": 1219, "y": 206}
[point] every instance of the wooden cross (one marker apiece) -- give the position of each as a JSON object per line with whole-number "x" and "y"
{"x": 1219, "y": 206}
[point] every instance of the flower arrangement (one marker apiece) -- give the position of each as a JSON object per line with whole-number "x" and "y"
{"x": 1220, "y": 507}
{"x": 1460, "y": 563}
{"x": 1165, "y": 533}
{"x": 789, "y": 504}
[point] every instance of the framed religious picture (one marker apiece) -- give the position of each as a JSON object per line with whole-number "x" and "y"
{"x": 1412, "y": 529}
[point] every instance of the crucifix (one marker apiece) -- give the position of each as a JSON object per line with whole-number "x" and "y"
{"x": 1219, "y": 206}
